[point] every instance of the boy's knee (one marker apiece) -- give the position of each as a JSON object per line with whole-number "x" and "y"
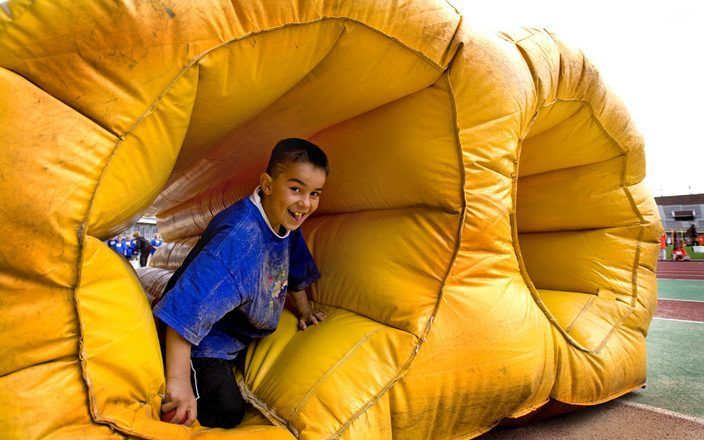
{"x": 233, "y": 408}
{"x": 226, "y": 412}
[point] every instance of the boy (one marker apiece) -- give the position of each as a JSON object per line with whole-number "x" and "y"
{"x": 231, "y": 286}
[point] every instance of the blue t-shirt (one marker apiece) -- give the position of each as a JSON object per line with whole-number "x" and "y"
{"x": 155, "y": 244}
{"x": 231, "y": 287}
{"x": 120, "y": 247}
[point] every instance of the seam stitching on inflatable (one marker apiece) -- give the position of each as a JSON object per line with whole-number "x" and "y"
{"x": 424, "y": 207}
{"x": 269, "y": 413}
{"x": 297, "y": 408}
{"x": 596, "y": 120}
{"x": 522, "y": 266}
{"x": 514, "y": 229}
{"x": 532, "y": 290}
{"x": 65, "y": 104}
{"x": 418, "y": 53}
{"x": 574, "y": 113}
{"x": 196, "y": 59}
{"x": 605, "y": 399}
{"x": 97, "y": 417}
{"x": 514, "y": 221}
{"x": 642, "y": 222}
{"x": 537, "y": 84}
{"x": 454, "y": 8}
{"x": 579, "y": 314}
{"x": 540, "y": 174}
{"x": 344, "y": 20}
{"x": 532, "y": 33}
{"x": 451, "y": 51}
{"x": 419, "y": 207}
{"x": 395, "y": 327}
{"x": 460, "y": 228}
{"x": 616, "y": 325}
{"x": 196, "y": 62}
{"x": 636, "y": 264}
{"x": 568, "y": 231}
{"x": 82, "y": 241}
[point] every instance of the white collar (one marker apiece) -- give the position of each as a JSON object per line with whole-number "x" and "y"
{"x": 257, "y": 200}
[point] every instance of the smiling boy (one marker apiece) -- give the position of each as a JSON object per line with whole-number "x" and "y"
{"x": 231, "y": 287}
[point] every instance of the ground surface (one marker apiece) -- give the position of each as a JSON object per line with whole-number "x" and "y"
{"x": 672, "y": 404}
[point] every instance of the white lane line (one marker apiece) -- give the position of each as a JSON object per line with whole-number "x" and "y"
{"x": 680, "y": 278}
{"x": 663, "y": 411}
{"x": 682, "y": 300}
{"x": 678, "y": 320}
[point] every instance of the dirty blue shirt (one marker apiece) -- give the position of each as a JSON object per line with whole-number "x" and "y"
{"x": 232, "y": 285}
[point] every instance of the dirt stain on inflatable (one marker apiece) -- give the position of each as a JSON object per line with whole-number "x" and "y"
{"x": 169, "y": 11}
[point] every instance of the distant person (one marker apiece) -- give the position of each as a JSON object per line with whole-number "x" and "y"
{"x": 156, "y": 242}
{"x": 127, "y": 248}
{"x": 143, "y": 246}
{"x": 112, "y": 243}
{"x": 663, "y": 246}
{"x": 120, "y": 246}
{"x": 133, "y": 245}
{"x": 692, "y": 235}
{"x": 679, "y": 253}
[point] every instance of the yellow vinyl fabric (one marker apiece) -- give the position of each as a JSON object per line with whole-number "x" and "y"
{"x": 485, "y": 239}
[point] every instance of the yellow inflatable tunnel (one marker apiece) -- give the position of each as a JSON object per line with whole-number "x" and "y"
{"x": 486, "y": 242}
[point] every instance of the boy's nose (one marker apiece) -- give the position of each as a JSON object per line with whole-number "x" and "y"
{"x": 305, "y": 203}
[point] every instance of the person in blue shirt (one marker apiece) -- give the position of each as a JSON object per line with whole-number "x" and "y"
{"x": 231, "y": 287}
{"x": 134, "y": 246}
{"x": 112, "y": 243}
{"x": 120, "y": 246}
{"x": 156, "y": 242}
{"x": 127, "y": 248}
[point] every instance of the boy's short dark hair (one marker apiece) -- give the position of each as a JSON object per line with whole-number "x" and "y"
{"x": 295, "y": 150}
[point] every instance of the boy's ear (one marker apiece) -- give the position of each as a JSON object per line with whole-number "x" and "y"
{"x": 265, "y": 181}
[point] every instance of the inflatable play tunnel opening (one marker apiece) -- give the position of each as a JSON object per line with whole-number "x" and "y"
{"x": 576, "y": 213}
{"x": 485, "y": 240}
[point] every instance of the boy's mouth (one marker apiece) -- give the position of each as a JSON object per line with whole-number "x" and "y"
{"x": 296, "y": 215}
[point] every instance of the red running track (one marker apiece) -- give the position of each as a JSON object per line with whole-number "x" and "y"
{"x": 680, "y": 309}
{"x": 681, "y": 270}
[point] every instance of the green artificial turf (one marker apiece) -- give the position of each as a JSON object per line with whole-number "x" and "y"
{"x": 693, "y": 255}
{"x": 690, "y": 290}
{"x": 675, "y": 368}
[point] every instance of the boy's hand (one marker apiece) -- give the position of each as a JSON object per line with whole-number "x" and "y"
{"x": 179, "y": 397}
{"x": 306, "y": 315}
{"x": 309, "y": 317}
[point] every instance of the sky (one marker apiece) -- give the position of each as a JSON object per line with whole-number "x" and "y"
{"x": 648, "y": 52}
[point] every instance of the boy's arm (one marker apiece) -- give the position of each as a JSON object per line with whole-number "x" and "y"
{"x": 306, "y": 314}
{"x": 179, "y": 393}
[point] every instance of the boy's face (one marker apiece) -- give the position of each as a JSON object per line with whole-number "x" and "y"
{"x": 293, "y": 195}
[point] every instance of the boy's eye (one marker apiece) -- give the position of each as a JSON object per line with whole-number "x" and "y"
{"x": 315, "y": 194}
{"x": 295, "y": 189}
